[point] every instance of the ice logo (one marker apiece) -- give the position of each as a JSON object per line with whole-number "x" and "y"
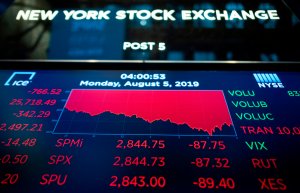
{"x": 20, "y": 79}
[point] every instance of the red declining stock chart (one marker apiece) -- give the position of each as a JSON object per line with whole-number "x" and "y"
{"x": 203, "y": 111}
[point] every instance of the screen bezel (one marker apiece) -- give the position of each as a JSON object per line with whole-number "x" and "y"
{"x": 149, "y": 65}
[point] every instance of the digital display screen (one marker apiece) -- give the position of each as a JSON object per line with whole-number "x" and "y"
{"x": 149, "y": 131}
{"x": 169, "y": 30}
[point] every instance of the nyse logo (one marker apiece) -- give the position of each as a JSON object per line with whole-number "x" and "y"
{"x": 268, "y": 80}
{"x": 20, "y": 79}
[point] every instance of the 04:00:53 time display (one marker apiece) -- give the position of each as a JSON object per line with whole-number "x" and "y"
{"x": 131, "y": 76}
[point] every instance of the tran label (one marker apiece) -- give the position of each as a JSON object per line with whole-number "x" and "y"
{"x": 268, "y": 80}
{"x": 20, "y": 79}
